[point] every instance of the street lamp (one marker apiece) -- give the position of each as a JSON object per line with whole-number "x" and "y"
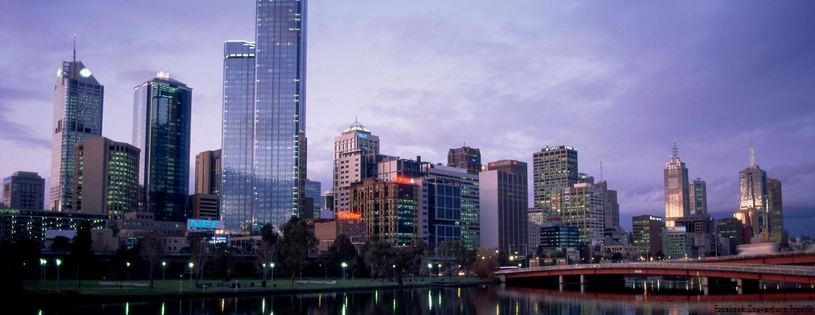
{"x": 59, "y": 262}
{"x": 263, "y": 272}
{"x": 429, "y": 272}
{"x": 42, "y": 272}
{"x": 440, "y": 269}
{"x": 163, "y": 266}
{"x": 128, "y": 270}
{"x": 394, "y": 272}
{"x": 343, "y": 271}
{"x": 272, "y": 265}
{"x": 191, "y": 264}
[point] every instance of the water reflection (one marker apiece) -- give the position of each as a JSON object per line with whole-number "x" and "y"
{"x": 452, "y": 301}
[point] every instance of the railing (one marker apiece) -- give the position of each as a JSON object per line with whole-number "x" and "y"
{"x": 773, "y": 269}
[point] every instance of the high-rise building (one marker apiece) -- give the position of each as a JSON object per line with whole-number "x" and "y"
{"x": 208, "y": 172}
{"x": 677, "y": 194}
{"x": 698, "y": 197}
{"x": 162, "y": 109}
{"x": 729, "y": 235}
{"x": 388, "y": 209}
{"x": 107, "y": 177}
{"x": 264, "y": 124}
{"x": 553, "y": 168}
{"x": 464, "y": 208}
{"x": 775, "y": 209}
{"x": 355, "y": 152}
{"x": 503, "y": 201}
{"x": 753, "y": 196}
{"x": 78, "y": 102}
{"x": 24, "y": 191}
{"x": 314, "y": 192}
{"x": 647, "y": 235}
{"x": 678, "y": 243}
{"x": 584, "y": 208}
{"x": 465, "y": 157}
{"x": 611, "y": 208}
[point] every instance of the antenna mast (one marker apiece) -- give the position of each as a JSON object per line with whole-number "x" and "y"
{"x": 752, "y": 153}
{"x": 74, "y": 47}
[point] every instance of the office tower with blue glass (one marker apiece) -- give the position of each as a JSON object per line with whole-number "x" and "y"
{"x": 264, "y": 120}
{"x": 78, "y": 102}
{"x": 162, "y": 110}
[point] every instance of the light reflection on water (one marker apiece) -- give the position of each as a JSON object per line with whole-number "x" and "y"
{"x": 487, "y": 299}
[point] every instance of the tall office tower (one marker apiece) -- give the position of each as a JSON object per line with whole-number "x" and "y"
{"x": 162, "y": 110}
{"x": 553, "y": 168}
{"x": 354, "y": 150}
{"x": 465, "y": 157}
{"x": 264, "y": 122}
{"x": 753, "y": 196}
{"x": 677, "y": 194}
{"x": 584, "y": 208}
{"x": 24, "y": 191}
{"x": 611, "y": 209}
{"x": 775, "y": 207}
{"x": 729, "y": 235}
{"x": 503, "y": 201}
{"x": 314, "y": 193}
{"x": 78, "y": 102}
{"x": 468, "y": 207}
{"x": 698, "y": 197}
{"x": 388, "y": 209}
{"x": 647, "y": 235}
{"x": 107, "y": 177}
{"x": 208, "y": 172}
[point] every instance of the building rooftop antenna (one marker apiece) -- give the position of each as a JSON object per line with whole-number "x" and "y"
{"x": 74, "y": 47}
{"x": 752, "y": 153}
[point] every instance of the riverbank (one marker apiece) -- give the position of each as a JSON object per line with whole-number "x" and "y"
{"x": 130, "y": 291}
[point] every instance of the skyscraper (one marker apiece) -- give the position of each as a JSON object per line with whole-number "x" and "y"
{"x": 775, "y": 208}
{"x": 208, "y": 172}
{"x": 459, "y": 208}
{"x": 265, "y": 119}
{"x": 553, "y": 168}
{"x": 647, "y": 234}
{"x": 78, "y": 102}
{"x": 677, "y": 196}
{"x": 753, "y": 196}
{"x": 161, "y": 129}
{"x": 698, "y": 197}
{"x": 24, "y": 191}
{"x": 354, "y": 161}
{"x": 584, "y": 208}
{"x": 503, "y": 200}
{"x": 465, "y": 157}
{"x": 611, "y": 208}
{"x": 107, "y": 179}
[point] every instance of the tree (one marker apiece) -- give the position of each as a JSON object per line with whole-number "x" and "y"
{"x": 198, "y": 255}
{"x": 61, "y": 243}
{"x": 267, "y": 251}
{"x": 295, "y": 246}
{"x": 341, "y": 250}
{"x": 407, "y": 259}
{"x": 453, "y": 251}
{"x": 486, "y": 261}
{"x": 151, "y": 251}
{"x": 81, "y": 249}
{"x": 376, "y": 254}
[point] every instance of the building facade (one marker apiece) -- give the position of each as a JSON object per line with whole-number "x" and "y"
{"x": 465, "y": 157}
{"x": 553, "y": 168}
{"x": 469, "y": 205}
{"x": 677, "y": 192}
{"x": 775, "y": 210}
{"x": 729, "y": 235}
{"x": 107, "y": 177}
{"x": 208, "y": 172}
{"x": 388, "y": 209}
{"x": 611, "y": 208}
{"x": 78, "y": 105}
{"x": 647, "y": 235}
{"x": 584, "y": 208}
{"x": 24, "y": 191}
{"x": 753, "y": 195}
{"x": 162, "y": 118}
{"x": 355, "y": 155}
{"x": 503, "y": 201}
{"x": 264, "y": 127}
{"x": 698, "y": 197}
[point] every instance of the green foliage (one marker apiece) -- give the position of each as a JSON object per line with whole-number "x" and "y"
{"x": 295, "y": 246}
{"x": 81, "y": 251}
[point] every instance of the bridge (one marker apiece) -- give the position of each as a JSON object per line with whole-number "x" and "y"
{"x": 702, "y": 270}
{"x": 781, "y": 258}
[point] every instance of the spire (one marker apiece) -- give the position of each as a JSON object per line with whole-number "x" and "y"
{"x": 752, "y": 153}
{"x": 675, "y": 153}
{"x": 601, "y": 170}
{"x": 74, "y": 47}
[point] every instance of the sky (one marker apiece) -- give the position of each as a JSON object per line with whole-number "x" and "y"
{"x": 618, "y": 81}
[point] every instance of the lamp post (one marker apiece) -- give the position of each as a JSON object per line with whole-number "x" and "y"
{"x": 439, "y": 265}
{"x": 59, "y": 262}
{"x": 394, "y": 273}
{"x": 191, "y": 264}
{"x": 263, "y": 272}
{"x": 272, "y": 265}
{"x": 42, "y": 272}
{"x": 128, "y": 271}
{"x": 343, "y": 271}
{"x": 163, "y": 266}
{"x": 429, "y": 272}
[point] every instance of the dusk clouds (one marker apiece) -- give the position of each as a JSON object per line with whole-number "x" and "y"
{"x": 619, "y": 82}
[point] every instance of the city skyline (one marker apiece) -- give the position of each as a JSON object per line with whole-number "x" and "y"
{"x": 427, "y": 77}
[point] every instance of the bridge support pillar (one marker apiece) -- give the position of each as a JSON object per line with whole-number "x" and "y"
{"x": 704, "y": 284}
{"x": 560, "y": 282}
{"x": 582, "y": 284}
{"x": 739, "y": 286}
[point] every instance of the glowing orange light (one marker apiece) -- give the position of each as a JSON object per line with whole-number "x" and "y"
{"x": 347, "y": 215}
{"x": 402, "y": 180}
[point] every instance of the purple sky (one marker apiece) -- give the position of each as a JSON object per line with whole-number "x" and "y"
{"x": 619, "y": 82}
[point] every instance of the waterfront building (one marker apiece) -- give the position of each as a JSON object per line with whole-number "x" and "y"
{"x": 698, "y": 197}
{"x": 78, "y": 104}
{"x": 388, "y": 209}
{"x": 553, "y": 169}
{"x": 24, "y": 191}
{"x": 583, "y": 207}
{"x": 699, "y": 224}
{"x": 465, "y": 157}
{"x": 555, "y": 234}
{"x": 647, "y": 235}
{"x": 264, "y": 121}
{"x": 162, "y": 109}
{"x": 469, "y": 206}
{"x": 107, "y": 177}
{"x": 775, "y": 208}
{"x": 439, "y": 213}
{"x": 503, "y": 201}
{"x": 729, "y": 235}
{"x": 33, "y": 224}
{"x": 753, "y": 197}
{"x": 356, "y": 152}
{"x": 677, "y": 195}
{"x": 678, "y": 243}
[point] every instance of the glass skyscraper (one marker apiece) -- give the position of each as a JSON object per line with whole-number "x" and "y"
{"x": 78, "y": 100}
{"x": 162, "y": 110}
{"x": 553, "y": 168}
{"x": 264, "y": 119}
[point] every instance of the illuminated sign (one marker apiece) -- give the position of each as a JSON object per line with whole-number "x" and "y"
{"x": 402, "y": 180}
{"x": 198, "y": 225}
{"x": 347, "y": 215}
{"x": 363, "y": 136}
